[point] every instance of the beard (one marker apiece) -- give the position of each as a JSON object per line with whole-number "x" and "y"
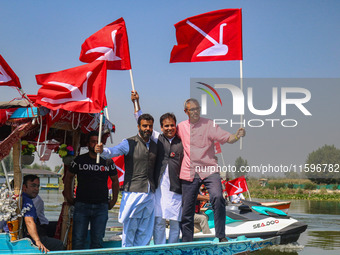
{"x": 145, "y": 134}
{"x": 91, "y": 149}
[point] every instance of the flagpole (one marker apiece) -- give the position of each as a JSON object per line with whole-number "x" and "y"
{"x": 107, "y": 117}
{"x": 248, "y": 190}
{"x": 133, "y": 89}
{"x": 23, "y": 95}
{"x": 106, "y": 113}
{"x": 249, "y": 194}
{"x": 100, "y": 134}
{"x": 241, "y": 86}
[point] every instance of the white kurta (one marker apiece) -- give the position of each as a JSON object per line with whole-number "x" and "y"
{"x": 168, "y": 203}
{"x": 136, "y": 205}
{"x": 137, "y": 215}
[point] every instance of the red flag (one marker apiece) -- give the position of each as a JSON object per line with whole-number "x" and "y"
{"x": 218, "y": 148}
{"x": 212, "y": 36}
{"x": 236, "y": 186}
{"x": 79, "y": 89}
{"x": 7, "y": 76}
{"x": 110, "y": 44}
{"x": 119, "y": 162}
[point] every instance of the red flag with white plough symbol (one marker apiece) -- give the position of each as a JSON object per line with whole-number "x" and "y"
{"x": 78, "y": 89}
{"x": 212, "y": 36}
{"x": 109, "y": 44}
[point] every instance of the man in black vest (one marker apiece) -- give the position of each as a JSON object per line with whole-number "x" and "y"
{"x": 169, "y": 191}
{"x": 168, "y": 195}
{"x": 138, "y": 198}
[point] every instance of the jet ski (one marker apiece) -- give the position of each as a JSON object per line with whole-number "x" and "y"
{"x": 251, "y": 219}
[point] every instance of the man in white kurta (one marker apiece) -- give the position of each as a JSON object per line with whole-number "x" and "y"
{"x": 168, "y": 193}
{"x": 168, "y": 197}
{"x": 137, "y": 204}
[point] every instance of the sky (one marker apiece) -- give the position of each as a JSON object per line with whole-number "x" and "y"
{"x": 281, "y": 39}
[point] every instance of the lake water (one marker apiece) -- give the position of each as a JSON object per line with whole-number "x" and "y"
{"x": 323, "y": 233}
{"x": 321, "y": 237}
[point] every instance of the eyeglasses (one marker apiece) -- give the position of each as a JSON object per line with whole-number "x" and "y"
{"x": 196, "y": 109}
{"x": 33, "y": 185}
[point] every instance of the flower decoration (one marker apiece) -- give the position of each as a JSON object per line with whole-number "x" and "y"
{"x": 27, "y": 148}
{"x": 65, "y": 150}
{"x": 9, "y": 205}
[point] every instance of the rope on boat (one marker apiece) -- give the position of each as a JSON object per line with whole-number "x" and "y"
{"x": 6, "y": 175}
{"x": 45, "y": 141}
{"x": 74, "y": 128}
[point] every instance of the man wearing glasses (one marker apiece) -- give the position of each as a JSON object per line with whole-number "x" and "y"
{"x": 199, "y": 166}
{"x": 30, "y": 189}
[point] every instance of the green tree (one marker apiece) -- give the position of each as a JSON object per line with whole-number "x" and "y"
{"x": 8, "y": 164}
{"x": 239, "y": 162}
{"x": 294, "y": 175}
{"x": 322, "y": 165}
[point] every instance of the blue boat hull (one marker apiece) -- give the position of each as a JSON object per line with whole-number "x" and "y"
{"x": 234, "y": 246}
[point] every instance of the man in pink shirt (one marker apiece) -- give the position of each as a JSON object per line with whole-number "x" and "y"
{"x": 199, "y": 166}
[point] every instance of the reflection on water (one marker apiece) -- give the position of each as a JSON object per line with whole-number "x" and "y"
{"x": 271, "y": 252}
{"x": 326, "y": 240}
{"x": 321, "y": 207}
{"x": 287, "y": 249}
{"x": 321, "y": 237}
{"x": 277, "y": 251}
{"x": 311, "y": 206}
{"x": 323, "y": 232}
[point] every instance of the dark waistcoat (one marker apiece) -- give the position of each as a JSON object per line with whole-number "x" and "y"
{"x": 140, "y": 165}
{"x": 172, "y": 155}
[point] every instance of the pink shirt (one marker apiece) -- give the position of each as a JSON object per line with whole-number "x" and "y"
{"x": 198, "y": 142}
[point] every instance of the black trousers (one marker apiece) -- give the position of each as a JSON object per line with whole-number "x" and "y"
{"x": 189, "y": 197}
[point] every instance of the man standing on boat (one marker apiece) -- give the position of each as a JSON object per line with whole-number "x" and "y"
{"x": 138, "y": 198}
{"x": 199, "y": 167}
{"x": 168, "y": 195}
{"x": 91, "y": 204}
{"x": 30, "y": 190}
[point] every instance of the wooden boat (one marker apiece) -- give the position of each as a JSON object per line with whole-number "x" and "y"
{"x": 19, "y": 120}
{"x": 240, "y": 245}
{"x": 64, "y": 132}
{"x": 283, "y": 205}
